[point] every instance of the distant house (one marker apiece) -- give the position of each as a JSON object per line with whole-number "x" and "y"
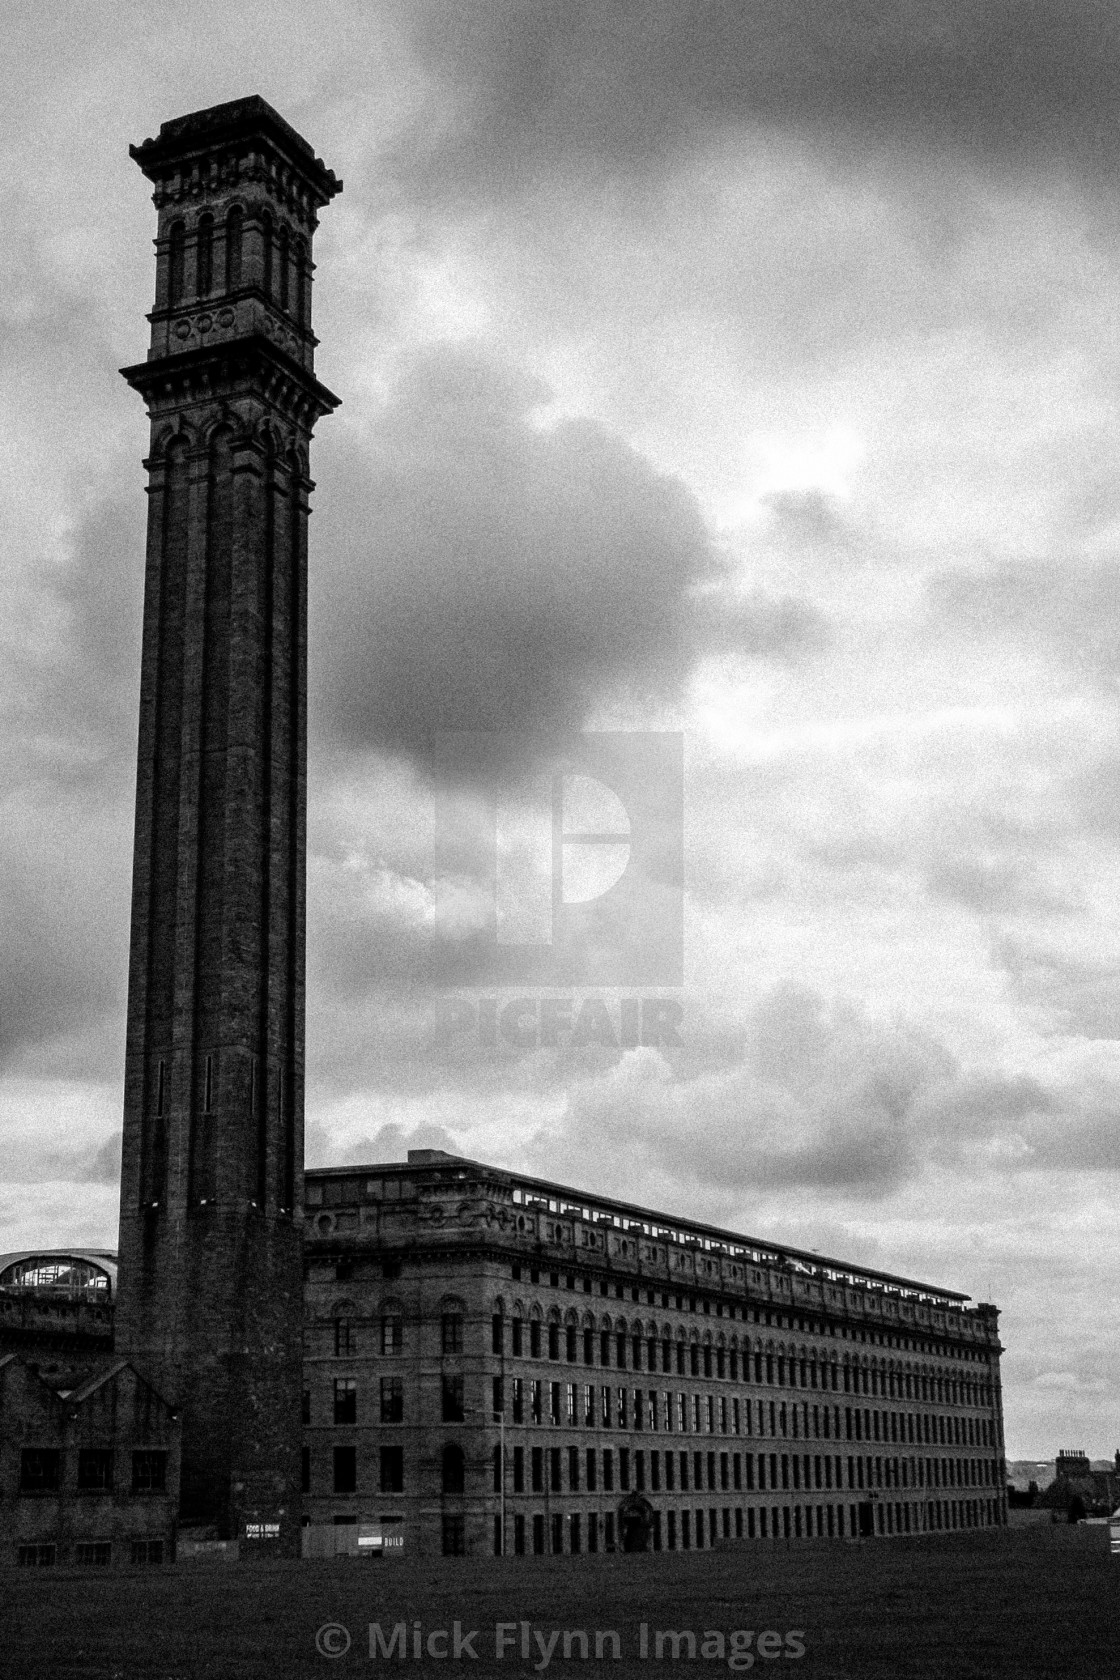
{"x": 1079, "y": 1490}
{"x": 89, "y": 1475}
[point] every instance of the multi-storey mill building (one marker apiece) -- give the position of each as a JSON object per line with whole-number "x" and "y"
{"x": 482, "y": 1346}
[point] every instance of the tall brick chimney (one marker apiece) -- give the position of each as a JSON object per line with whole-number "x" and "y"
{"x": 210, "y": 1289}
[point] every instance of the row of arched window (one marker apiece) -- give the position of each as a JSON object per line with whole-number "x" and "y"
{"x": 284, "y": 268}
{"x": 640, "y": 1344}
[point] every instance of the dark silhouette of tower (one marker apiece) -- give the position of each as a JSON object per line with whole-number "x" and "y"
{"x": 210, "y": 1296}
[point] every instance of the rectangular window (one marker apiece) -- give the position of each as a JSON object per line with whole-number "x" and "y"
{"x": 670, "y": 1467}
{"x": 518, "y": 1400}
{"x": 605, "y": 1405}
{"x": 149, "y": 1472}
{"x": 570, "y": 1404}
{"x": 453, "y": 1535}
{"x": 392, "y": 1469}
{"x": 345, "y": 1470}
{"x": 608, "y": 1470}
{"x": 452, "y": 1332}
{"x": 624, "y": 1468}
{"x": 554, "y": 1402}
{"x": 519, "y": 1470}
{"x": 536, "y": 1401}
{"x": 343, "y": 1340}
{"x": 538, "y": 1533}
{"x": 146, "y": 1553}
{"x": 592, "y": 1479}
{"x": 39, "y": 1469}
{"x": 95, "y": 1553}
{"x": 517, "y": 1338}
{"x": 554, "y": 1469}
{"x": 392, "y": 1335}
{"x": 497, "y": 1340}
{"x": 498, "y": 1396}
{"x": 535, "y": 1338}
{"x": 452, "y": 1399}
{"x": 35, "y": 1557}
{"x": 345, "y": 1400}
{"x": 538, "y": 1469}
{"x": 392, "y": 1400}
{"x": 573, "y": 1469}
{"x": 95, "y": 1469}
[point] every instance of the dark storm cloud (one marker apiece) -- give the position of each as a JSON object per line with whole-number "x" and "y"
{"x": 824, "y": 1098}
{"x": 68, "y": 756}
{"x": 481, "y": 572}
{"x": 526, "y": 87}
{"x": 83, "y": 697}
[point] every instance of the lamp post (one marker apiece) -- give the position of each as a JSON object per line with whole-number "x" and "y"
{"x": 502, "y": 1461}
{"x": 498, "y": 1416}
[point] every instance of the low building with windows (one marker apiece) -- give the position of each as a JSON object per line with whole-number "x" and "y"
{"x": 497, "y": 1363}
{"x": 57, "y": 1306}
{"x": 1079, "y": 1489}
{"x": 89, "y": 1473}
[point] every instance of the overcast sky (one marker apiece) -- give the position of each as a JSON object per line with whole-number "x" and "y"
{"x": 743, "y": 369}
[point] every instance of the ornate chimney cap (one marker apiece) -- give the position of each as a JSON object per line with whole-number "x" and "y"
{"x": 199, "y": 133}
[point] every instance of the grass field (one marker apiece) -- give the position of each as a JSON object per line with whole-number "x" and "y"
{"x": 1032, "y": 1602}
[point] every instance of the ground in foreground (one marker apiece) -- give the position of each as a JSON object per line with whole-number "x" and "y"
{"x": 1035, "y": 1602}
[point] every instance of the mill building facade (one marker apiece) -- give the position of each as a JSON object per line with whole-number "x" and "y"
{"x": 497, "y": 1363}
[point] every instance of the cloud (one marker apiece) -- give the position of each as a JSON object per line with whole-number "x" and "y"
{"x": 1064, "y": 606}
{"x": 484, "y": 572}
{"x": 992, "y": 887}
{"x": 608, "y": 89}
{"x": 809, "y": 1096}
{"x": 44, "y": 1162}
{"x": 69, "y": 703}
{"x": 1070, "y": 992}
